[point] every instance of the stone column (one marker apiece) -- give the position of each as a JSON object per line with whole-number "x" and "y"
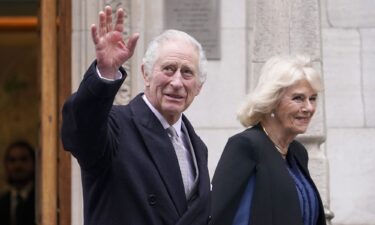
{"x": 287, "y": 27}
{"x": 85, "y": 13}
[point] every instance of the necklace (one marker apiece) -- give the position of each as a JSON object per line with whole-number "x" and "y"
{"x": 279, "y": 149}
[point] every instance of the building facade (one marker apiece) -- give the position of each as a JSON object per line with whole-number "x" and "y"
{"x": 340, "y": 34}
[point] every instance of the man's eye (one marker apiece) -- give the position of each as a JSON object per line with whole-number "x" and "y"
{"x": 188, "y": 72}
{"x": 169, "y": 69}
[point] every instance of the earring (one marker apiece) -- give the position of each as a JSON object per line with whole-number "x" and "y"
{"x": 273, "y": 115}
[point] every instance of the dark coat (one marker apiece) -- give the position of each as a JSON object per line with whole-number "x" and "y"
{"x": 27, "y": 214}
{"x": 275, "y": 199}
{"x": 130, "y": 171}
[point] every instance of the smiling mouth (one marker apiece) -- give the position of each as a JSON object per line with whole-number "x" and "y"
{"x": 303, "y": 119}
{"x": 175, "y": 97}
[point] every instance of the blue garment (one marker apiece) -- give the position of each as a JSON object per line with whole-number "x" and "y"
{"x": 243, "y": 214}
{"x": 306, "y": 194}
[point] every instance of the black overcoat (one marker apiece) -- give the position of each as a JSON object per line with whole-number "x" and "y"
{"x": 275, "y": 199}
{"x": 130, "y": 172}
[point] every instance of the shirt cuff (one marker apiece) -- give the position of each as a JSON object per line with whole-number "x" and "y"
{"x": 118, "y": 75}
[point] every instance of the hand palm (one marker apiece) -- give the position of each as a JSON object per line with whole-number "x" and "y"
{"x": 110, "y": 48}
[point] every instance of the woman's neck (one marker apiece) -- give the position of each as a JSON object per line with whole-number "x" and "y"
{"x": 277, "y": 134}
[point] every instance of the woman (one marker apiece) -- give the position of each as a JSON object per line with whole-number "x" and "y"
{"x": 262, "y": 177}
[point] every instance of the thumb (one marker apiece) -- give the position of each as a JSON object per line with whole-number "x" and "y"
{"x": 132, "y": 42}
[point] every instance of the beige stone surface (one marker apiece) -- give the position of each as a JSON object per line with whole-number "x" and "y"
{"x": 351, "y": 14}
{"x": 351, "y": 154}
{"x": 342, "y": 77}
{"x": 368, "y": 57}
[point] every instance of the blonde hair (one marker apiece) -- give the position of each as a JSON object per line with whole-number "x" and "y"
{"x": 278, "y": 73}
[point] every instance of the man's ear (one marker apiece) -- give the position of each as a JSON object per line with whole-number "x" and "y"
{"x": 146, "y": 77}
{"x": 199, "y": 88}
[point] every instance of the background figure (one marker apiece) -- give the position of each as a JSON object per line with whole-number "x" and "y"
{"x": 141, "y": 163}
{"x": 262, "y": 176}
{"x": 17, "y": 205}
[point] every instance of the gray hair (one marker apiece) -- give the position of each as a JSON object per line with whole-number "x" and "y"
{"x": 152, "y": 51}
{"x": 277, "y": 74}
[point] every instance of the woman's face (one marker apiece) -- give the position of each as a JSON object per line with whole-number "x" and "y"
{"x": 296, "y": 107}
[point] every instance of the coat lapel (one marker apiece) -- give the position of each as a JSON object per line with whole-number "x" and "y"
{"x": 197, "y": 203}
{"x": 161, "y": 151}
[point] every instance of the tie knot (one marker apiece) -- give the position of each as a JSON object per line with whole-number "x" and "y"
{"x": 172, "y": 132}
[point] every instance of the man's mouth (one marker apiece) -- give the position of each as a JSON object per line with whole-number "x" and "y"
{"x": 174, "y": 96}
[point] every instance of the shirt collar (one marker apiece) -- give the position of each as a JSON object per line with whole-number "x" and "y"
{"x": 24, "y": 192}
{"x": 163, "y": 121}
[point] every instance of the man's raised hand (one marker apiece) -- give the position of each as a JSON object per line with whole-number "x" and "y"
{"x": 110, "y": 48}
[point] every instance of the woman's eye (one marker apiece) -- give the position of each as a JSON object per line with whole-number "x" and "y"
{"x": 313, "y": 98}
{"x": 297, "y": 98}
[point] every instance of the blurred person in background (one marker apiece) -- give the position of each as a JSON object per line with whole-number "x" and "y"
{"x": 17, "y": 204}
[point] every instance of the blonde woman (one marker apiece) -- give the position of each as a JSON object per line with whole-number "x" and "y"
{"x": 262, "y": 177}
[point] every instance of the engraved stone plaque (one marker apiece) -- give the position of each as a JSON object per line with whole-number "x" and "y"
{"x": 199, "y": 18}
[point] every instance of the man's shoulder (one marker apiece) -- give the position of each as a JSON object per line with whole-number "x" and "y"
{"x": 132, "y": 106}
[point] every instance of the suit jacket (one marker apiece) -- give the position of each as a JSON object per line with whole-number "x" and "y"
{"x": 27, "y": 214}
{"x": 275, "y": 199}
{"x": 130, "y": 172}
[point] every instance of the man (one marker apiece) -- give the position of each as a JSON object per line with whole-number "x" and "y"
{"x": 17, "y": 206}
{"x": 141, "y": 164}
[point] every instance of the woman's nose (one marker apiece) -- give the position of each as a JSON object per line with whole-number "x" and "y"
{"x": 308, "y": 106}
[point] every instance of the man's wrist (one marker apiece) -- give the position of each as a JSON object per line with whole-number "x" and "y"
{"x": 117, "y": 76}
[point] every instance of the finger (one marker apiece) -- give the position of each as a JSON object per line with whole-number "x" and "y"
{"x": 102, "y": 25}
{"x": 108, "y": 14}
{"x": 94, "y": 34}
{"x": 132, "y": 42}
{"x": 119, "y": 26}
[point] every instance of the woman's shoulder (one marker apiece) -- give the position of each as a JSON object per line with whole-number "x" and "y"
{"x": 245, "y": 143}
{"x": 253, "y": 137}
{"x": 298, "y": 149}
{"x": 251, "y": 133}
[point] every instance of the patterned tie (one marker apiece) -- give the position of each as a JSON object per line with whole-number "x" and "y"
{"x": 184, "y": 157}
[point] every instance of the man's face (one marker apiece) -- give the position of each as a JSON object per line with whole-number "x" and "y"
{"x": 173, "y": 83}
{"x": 19, "y": 166}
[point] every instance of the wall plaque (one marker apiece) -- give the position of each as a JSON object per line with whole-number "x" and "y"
{"x": 199, "y": 18}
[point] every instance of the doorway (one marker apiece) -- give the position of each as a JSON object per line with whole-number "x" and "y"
{"x": 34, "y": 81}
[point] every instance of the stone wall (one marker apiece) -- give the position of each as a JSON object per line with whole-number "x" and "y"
{"x": 348, "y": 53}
{"x": 348, "y": 31}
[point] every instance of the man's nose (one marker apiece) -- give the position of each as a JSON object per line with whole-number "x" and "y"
{"x": 176, "y": 79}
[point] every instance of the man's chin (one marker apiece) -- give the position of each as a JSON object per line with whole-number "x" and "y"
{"x": 173, "y": 109}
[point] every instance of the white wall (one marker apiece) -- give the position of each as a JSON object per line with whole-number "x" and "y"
{"x": 348, "y": 46}
{"x": 213, "y": 110}
{"x": 349, "y": 75}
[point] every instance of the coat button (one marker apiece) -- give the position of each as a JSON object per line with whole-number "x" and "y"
{"x": 152, "y": 199}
